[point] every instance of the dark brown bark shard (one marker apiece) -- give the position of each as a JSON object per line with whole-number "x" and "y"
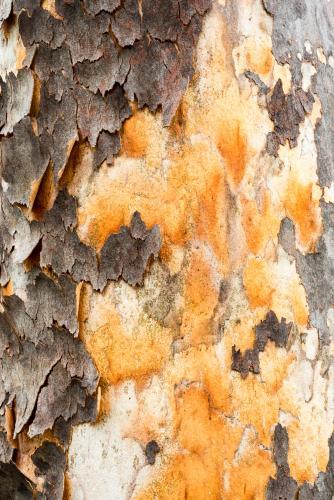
{"x": 108, "y": 146}
{"x": 158, "y": 76}
{"x": 112, "y": 67}
{"x": 83, "y": 31}
{"x": 269, "y": 329}
{"x": 287, "y": 112}
{"x": 126, "y": 23}
{"x": 127, "y": 253}
{"x": 97, "y": 113}
{"x": 54, "y": 67}
{"x": 161, "y": 19}
{"x": 13, "y": 484}
{"x": 50, "y": 462}
{"x": 283, "y": 486}
{"x": 24, "y": 161}
{"x": 39, "y": 26}
{"x": 97, "y": 6}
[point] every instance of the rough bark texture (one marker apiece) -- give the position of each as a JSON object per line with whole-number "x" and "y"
{"x": 167, "y": 253}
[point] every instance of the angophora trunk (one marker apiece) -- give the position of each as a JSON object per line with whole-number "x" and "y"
{"x": 167, "y": 249}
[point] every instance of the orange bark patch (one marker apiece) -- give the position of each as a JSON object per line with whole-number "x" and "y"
{"x": 260, "y": 224}
{"x": 120, "y": 356}
{"x": 141, "y": 135}
{"x": 304, "y": 211}
{"x": 259, "y": 59}
{"x": 201, "y": 293}
{"x": 233, "y": 147}
{"x": 258, "y": 283}
{"x": 207, "y": 466}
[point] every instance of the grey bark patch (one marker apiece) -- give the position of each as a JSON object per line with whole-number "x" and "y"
{"x": 16, "y": 98}
{"x": 24, "y": 162}
{"x": 97, "y": 113}
{"x": 21, "y": 236}
{"x": 50, "y": 462}
{"x": 287, "y": 112}
{"x": 285, "y": 487}
{"x": 254, "y": 78}
{"x": 296, "y": 22}
{"x": 28, "y": 5}
{"x": 57, "y": 127}
{"x": 61, "y": 396}
{"x": 22, "y": 377}
{"x": 13, "y": 484}
{"x": 125, "y": 254}
{"x": 51, "y": 303}
{"x": 315, "y": 269}
{"x": 84, "y": 414}
{"x": 269, "y": 329}
{"x": 86, "y": 66}
{"x": 322, "y": 85}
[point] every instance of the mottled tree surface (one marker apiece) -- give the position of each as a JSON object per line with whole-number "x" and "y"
{"x": 167, "y": 249}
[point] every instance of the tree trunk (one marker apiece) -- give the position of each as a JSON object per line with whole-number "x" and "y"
{"x": 167, "y": 253}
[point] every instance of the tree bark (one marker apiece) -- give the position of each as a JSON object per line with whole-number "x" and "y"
{"x": 167, "y": 253}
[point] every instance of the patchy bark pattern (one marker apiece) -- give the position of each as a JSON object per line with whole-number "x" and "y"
{"x": 71, "y": 89}
{"x": 207, "y": 123}
{"x": 269, "y": 329}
